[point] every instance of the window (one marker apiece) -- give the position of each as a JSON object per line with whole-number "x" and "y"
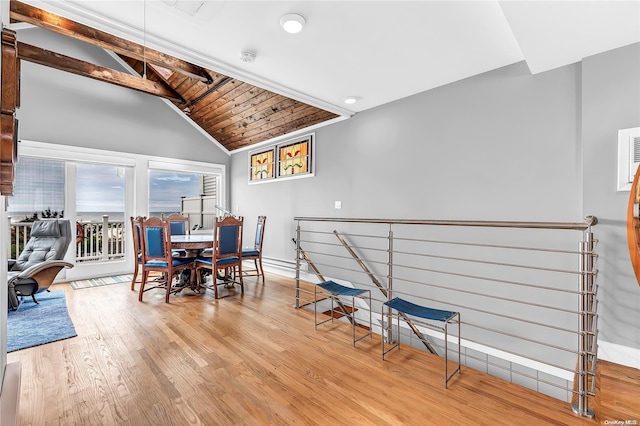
{"x": 39, "y": 189}
{"x": 99, "y": 191}
{"x": 167, "y": 188}
{"x": 292, "y": 158}
{"x": 193, "y": 194}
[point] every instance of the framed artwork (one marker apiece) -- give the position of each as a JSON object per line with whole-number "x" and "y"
{"x": 290, "y": 159}
{"x": 262, "y": 165}
{"x": 294, "y": 158}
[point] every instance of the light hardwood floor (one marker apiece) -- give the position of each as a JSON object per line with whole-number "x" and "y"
{"x": 256, "y": 360}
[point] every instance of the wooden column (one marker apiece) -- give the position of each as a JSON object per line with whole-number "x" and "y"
{"x": 9, "y": 102}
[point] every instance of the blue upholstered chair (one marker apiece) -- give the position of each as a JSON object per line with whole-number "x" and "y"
{"x": 157, "y": 256}
{"x": 226, "y": 253}
{"x": 40, "y": 260}
{"x": 178, "y": 225}
{"x": 255, "y": 253}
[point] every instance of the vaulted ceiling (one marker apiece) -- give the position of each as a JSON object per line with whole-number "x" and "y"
{"x": 234, "y": 113}
{"x": 376, "y": 51}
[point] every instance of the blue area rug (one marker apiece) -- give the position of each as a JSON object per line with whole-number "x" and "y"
{"x": 36, "y": 324}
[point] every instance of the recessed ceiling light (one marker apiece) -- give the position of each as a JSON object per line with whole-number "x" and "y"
{"x": 292, "y": 23}
{"x": 350, "y": 100}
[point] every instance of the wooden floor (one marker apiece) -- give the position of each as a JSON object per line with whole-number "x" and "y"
{"x": 256, "y": 360}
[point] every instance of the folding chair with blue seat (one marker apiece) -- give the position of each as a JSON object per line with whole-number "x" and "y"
{"x": 434, "y": 315}
{"x": 335, "y": 291}
{"x": 226, "y": 253}
{"x": 157, "y": 256}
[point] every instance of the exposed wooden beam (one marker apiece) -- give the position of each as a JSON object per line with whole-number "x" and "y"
{"x": 65, "y": 63}
{"x": 25, "y": 13}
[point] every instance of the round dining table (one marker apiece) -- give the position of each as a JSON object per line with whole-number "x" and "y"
{"x": 192, "y": 242}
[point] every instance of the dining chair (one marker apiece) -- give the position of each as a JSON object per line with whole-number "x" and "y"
{"x": 157, "y": 256}
{"x": 137, "y": 249}
{"x": 178, "y": 223}
{"x": 226, "y": 253}
{"x": 255, "y": 253}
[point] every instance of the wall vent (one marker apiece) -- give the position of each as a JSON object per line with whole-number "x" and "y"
{"x": 633, "y": 140}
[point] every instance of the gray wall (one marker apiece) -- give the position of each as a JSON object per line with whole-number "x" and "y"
{"x": 60, "y": 107}
{"x": 502, "y": 145}
{"x": 611, "y": 101}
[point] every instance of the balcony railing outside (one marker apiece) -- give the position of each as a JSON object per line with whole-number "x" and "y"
{"x": 526, "y": 291}
{"x": 97, "y": 240}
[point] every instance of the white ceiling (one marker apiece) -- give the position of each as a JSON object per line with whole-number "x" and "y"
{"x": 378, "y": 51}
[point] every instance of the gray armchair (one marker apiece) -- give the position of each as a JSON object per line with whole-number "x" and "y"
{"x": 40, "y": 261}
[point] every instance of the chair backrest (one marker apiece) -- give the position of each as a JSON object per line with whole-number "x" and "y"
{"x": 50, "y": 239}
{"x": 156, "y": 239}
{"x": 137, "y": 234}
{"x": 227, "y": 236}
{"x": 178, "y": 224}
{"x": 257, "y": 245}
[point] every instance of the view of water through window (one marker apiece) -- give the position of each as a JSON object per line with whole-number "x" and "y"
{"x": 100, "y": 190}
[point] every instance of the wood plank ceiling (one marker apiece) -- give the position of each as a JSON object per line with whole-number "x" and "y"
{"x": 235, "y": 113}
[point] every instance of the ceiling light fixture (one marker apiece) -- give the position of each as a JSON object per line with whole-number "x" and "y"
{"x": 292, "y": 23}
{"x": 247, "y": 57}
{"x": 350, "y": 100}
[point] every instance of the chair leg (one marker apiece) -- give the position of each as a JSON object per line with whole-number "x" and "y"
{"x": 143, "y": 281}
{"x": 169, "y": 285}
{"x": 135, "y": 277}
{"x": 261, "y": 268}
{"x": 241, "y": 280}
{"x": 215, "y": 284}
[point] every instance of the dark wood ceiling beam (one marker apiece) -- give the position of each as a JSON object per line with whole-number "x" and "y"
{"x": 25, "y": 13}
{"x": 154, "y": 75}
{"x": 65, "y": 63}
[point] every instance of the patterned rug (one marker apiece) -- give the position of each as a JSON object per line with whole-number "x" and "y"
{"x": 97, "y": 282}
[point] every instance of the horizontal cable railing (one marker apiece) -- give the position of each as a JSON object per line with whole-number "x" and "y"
{"x": 526, "y": 291}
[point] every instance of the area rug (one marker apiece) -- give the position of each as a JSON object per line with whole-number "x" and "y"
{"x": 97, "y": 282}
{"x": 35, "y": 324}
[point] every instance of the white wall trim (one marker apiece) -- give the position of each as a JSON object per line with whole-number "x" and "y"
{"x": 619, "y": 354}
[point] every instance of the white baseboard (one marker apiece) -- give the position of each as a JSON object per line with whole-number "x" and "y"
{"x": 619, "y": 354}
